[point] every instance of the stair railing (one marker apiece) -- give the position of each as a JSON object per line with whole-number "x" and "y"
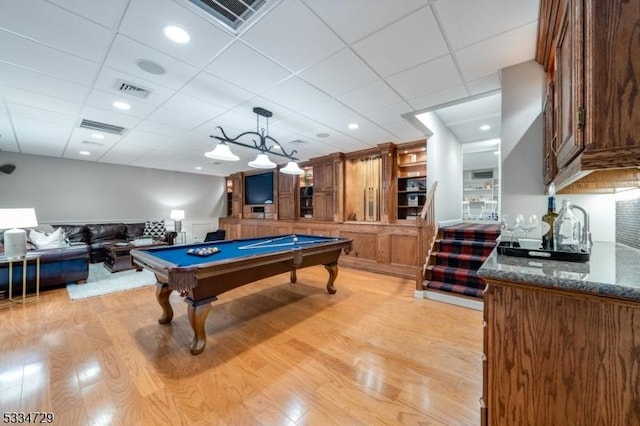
{"x": 427, "y": 231}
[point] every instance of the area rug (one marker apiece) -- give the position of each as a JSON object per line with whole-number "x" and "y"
{"x": 101, "y": 282}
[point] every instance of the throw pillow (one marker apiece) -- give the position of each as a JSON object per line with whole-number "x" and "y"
{"x": 156, "y": 230}
{"x": 53, "y": 240}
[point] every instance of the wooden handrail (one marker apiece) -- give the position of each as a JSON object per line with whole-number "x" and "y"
{"x": 427, "y": 235}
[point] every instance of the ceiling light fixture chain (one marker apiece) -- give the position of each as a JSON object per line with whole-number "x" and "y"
{"x": 222, "y": 151}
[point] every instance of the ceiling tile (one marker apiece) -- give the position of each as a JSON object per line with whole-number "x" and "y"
{"x": 105, "y": 100}
{"x": 293, "y": 36}
{"x": 408, "y": 42}
{"x": 405, "y": 131}
{"x": 125, "y": 52}
{"x": 175, "y": 118}
{"x": 217, "y": 91}
{"x": 36, "y": 100}
{"x": 438, "y": 98}
{"x": 296, "y": 95}
{"x": 389, "y": 114}
{"x": 371, "y": 97}
{"x": 163, "y": 132}
{"x": 256, "y": 73}
{"x": 328, "y": 111}
{"x": 430, "y": 77}
{"x": 7, "y": 139}
{"x": 40, "y": 137}
{"x": 368, "y": 133}
{"x": 39, "y": 114}
{"x": 369, "y": 15}
{"x": 484, "y": 58}
{"x": 145, "y": 21}
{"x": 339, "y": 73}
{"x": 87, "y": 40}
{"x": 194, "y": 106}
{"x": 466, "y": 22}
{"x": 106, "y": 13}
{"x": 26, "y": 53}
{"x": 485, "y": 84}
{"x": 24, "y": 78}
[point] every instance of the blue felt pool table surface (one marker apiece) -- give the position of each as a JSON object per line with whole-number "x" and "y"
{"x": 236, "y": 249}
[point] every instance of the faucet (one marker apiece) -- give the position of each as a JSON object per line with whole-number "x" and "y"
{"x": 586, "y": 232}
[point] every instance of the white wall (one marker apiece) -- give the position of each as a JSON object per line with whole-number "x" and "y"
{"x": 521, "y": 154}
{"x": 72, "y": 191}
{"x": 444, "y": 164}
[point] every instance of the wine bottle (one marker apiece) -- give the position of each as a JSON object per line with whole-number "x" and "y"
{"x": 548, "y": 220}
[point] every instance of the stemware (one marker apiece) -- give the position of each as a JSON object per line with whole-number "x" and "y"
{"x": 530, "y": 225}
{"x": 507, "y": 225}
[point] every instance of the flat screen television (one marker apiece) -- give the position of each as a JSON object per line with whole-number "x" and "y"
{"x": 258, "y": 189}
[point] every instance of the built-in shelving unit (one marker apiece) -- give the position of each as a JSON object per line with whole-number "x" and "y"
{"x": 306, "y": 193}
{"x": 412, "y": 180}
{"x": 480, "y": 194}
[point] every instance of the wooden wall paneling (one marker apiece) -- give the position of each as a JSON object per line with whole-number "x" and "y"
{"x": 287, "y": 196}
{"x": 364, "y": 244}
{"x": 383, "y": 247}
{"x": 388, "y": 185}
{"x": 354, "y": 201}
{"x": 403, "y": 249}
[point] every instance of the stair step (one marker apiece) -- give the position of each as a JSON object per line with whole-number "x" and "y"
{"x": 465, "y": 277}
{"x": 471, "y": 231}
{"x": 480, "y": 248}
{"x": 455, "y": 288}
{"x": 467, "y": 261}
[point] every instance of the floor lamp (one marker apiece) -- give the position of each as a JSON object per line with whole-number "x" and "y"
{"x": 15, "y": 238}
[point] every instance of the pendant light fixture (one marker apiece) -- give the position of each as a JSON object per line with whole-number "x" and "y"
{"x": 262, "y": 161}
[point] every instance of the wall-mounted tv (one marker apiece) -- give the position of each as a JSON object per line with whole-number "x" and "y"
{"x": 258, "y": 189}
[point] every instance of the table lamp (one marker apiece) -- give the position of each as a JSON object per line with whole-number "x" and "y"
{"x": 177, "y": 216}
{"x": 15, "y": 239}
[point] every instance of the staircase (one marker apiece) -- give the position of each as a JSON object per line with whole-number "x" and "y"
{"x": 458, "y": 253}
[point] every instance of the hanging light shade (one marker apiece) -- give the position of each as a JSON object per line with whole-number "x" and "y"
{"x": 266, "y": 144}
{"x": 222, "y": 152}
{"x": 292, "y": 168}
{"x": 262, "y": 162}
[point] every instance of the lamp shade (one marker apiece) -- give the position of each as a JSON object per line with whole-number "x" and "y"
{"x": 222, "y": 152}
{"x": 18, "y": 218}
{"x": 292, "y": 168}
{"x": 262, "y": 162}
{"x": 177, "y": 214}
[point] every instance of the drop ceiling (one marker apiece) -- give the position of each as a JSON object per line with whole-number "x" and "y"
{"x": 318, "y": 65}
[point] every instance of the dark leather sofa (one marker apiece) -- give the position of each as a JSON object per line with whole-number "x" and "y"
{"x": 99, "y": 235}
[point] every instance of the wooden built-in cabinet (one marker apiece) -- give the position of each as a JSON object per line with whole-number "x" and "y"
{"x": 592, "y": 56}
{"x": 369, "y": 196}
{"x": 559, "y": 357}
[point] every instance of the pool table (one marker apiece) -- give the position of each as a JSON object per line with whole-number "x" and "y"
{"x": 200, "y": 277}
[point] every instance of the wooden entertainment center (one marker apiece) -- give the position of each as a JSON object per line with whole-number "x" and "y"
{"x": 373, "y": 196}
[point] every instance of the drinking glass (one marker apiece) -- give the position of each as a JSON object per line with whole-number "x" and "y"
{"x": 530, "y": 225}
{"x": 519, "y": 223}
{"x": 507, "y": 225}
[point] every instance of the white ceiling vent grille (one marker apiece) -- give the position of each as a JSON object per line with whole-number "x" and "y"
{"x": 131, "y": 89}
{"x": 232, "y": 13}
{"x": 103, "y": 127}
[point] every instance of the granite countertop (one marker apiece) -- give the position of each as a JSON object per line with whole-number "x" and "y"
{"x": 613, "y": 270}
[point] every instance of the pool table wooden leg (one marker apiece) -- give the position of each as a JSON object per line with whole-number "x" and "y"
{"x": 333, "y": 273}
{"x": 163, "y": 291}
{"x": 293, "y": 277}
{"x": 197, "y": 317}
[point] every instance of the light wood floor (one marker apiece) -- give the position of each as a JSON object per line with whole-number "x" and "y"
{"x": 277, "y": 354}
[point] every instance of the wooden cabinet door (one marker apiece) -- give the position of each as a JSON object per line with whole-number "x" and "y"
{"x": 548, "y": 155}
{"x": 569, "y": 84}
{"x": 286, "y": 196}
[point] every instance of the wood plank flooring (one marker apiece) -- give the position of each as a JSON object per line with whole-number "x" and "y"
{"x": 277, "y": 354}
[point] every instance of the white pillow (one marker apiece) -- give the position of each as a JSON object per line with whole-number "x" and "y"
{"x": 54, "y": 240}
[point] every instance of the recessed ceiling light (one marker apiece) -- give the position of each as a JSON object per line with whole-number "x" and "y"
{"x": 84, "y": 153}
{"x": 485, "y": 127}
{"x": 198, "y": 168}
{"x": 176, "y": 34}
{"x": 122, "y": 105}
{"x": 97, "y": 135}
{"x": 150, "y": 67}
{"x": 323, "y": 135}
{"x": 353, "y": 126}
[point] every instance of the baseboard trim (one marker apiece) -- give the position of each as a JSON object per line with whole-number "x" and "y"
{"x": 453, "y": 300}
{"x": 418, "y": 294}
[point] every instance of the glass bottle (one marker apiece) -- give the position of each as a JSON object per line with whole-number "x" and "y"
{"x": 548, "y": 220}
{"x": 567, "y": 230}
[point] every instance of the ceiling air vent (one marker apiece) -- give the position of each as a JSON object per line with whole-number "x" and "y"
{"x": 108, "y": 128}
{"x": 232, "y": 13}
{"x": 131, "y": 89}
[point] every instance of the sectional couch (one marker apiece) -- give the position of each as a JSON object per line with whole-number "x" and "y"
{"x": 63, "y": 265}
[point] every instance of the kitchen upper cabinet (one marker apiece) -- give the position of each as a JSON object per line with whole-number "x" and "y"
{"x": 593, "y": 60}
{"x": 549, "y": 157}
{"x": 568, "y": 76}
